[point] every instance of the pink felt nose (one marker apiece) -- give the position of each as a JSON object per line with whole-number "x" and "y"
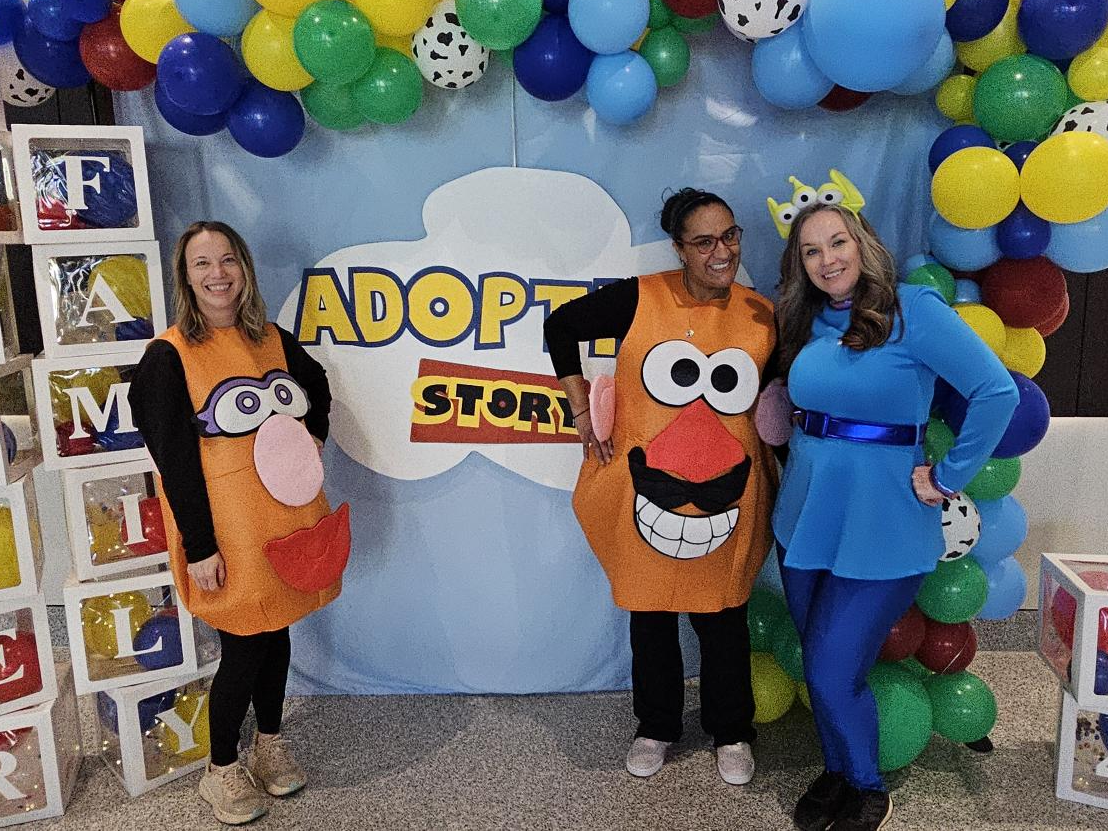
{"x": 287, "y": 461}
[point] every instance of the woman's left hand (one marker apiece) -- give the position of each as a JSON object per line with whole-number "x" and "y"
{"x": 925, "y": 491}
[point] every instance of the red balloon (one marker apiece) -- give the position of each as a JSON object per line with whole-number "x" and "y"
{"x": 693, "y": 8}
{"x": 20, "y": 653}
{"x": 68, "y": 446}
{"x": 947, "y": 647}
{"x": 1063, "y": 614}
{"x": 1024, "y": 293}
{"x": 153, "y": 528}
{"x": 841, "y": 99}
{"x": 110, "y": 60}
{"x": 906, "y": 635}
{"x": 1049, "y": 327}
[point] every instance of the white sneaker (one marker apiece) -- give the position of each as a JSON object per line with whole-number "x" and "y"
{"x": 735, "y": 763}
{"x": 646, "y": 756}
{"x": 233, "y": 794}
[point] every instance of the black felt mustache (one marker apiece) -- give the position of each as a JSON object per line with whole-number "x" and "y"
{"x": 669, "y": 492}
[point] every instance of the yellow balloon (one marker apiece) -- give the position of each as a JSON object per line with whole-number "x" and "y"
{"x": 985, "y": 323}
{"x": 285, "y": 8}
{"x": 949, "y": 3}
{"x": 99, "y": 380}
{"x": 976, "y": 187}
{"x": 1001, "y": 42}
{"x": 400, "y": 43}
{"x": 98, "y": 621}
{"x": 185, "y": 705}
{"x": 774, "y": 690}
{"x": 802, "y": 694}
{"x": 128, "y": 277}
{"x": 9, "y": 555}
{"x": 1088, "y": 74}
{"x": 635, "y": 46}
{"x": 268, "y": 52}
{"x": 148, "y": 25}
{"x": 954, "y": 98}
{"x": 1065, "y": 179}
{"x": 105, "y": 540}
{"x": 1024, "y": 351}
{"x": 395, "y": 17}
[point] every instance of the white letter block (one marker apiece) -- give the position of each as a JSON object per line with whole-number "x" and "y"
{"x": 19, "y": 430}
{"x": 1082, "y": 774}
{"x": 9, "y": 333}
{"x": 20, "y": 541}
{"x": 1073, "y": 625}
{"x": 26, "y": 657}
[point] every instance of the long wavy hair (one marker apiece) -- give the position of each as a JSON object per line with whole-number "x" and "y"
{"x": 876, "y": 306}
{"x": 250, "y": 316}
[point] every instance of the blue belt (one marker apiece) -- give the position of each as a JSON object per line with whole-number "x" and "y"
{"x": 822, "y": 425}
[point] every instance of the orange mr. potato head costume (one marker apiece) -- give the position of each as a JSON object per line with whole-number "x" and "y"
{"x": 679, "y": 519}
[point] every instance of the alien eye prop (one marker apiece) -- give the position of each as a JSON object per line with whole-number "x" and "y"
{"x": 239, "y": 406}
{"x": 829, "y": 195}
{"x": 804, "y": 196}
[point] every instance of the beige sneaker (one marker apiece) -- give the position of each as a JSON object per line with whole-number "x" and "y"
{"x": 645, "y": 756}
{"x": 270, "y": 760}
{"x": 233, "y": 794}
{"x": 735, "y": 763}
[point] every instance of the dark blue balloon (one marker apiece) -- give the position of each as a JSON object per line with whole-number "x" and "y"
{"x": 1102, "y": 721}
{"x": 266, "y": 122}
{"x": 168, "y": 629}
{"x": 186, "y": 122}
{"x": 89, "y": 11}
{"x": 1054, "y": 29}
{"x": 556, "y": 6}
{"x": 1019, "y": 152}
{"x": 10, "y": 447}
{"x": 52, "y": 19}
{"x": 1021, "y": 235}
{"x": 54, "y": 62}
{"x": 951, "y": 140}
{"x": 148, "y": 709}
{"x": 114, "y": 204}
{"x": 11, "y": 18}
{"x": 110, "y": 439}
{"x": 973, "y": 19}
{"x": 948, "y": 405}
{"x": 1100, "y": 683}
{"x": 552, "y": 64}
{"x": 200, "y": 73}
{"x": 1029, "y": 421}
{"x": 137, "y": 329}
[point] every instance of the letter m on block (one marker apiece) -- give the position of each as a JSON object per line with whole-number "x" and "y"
{"x": 81, "y": 400}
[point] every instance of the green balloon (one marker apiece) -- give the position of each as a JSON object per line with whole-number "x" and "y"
{"x": 667, "y": 52}
{"x": 903, "y": 715}
{"x": 499, "y": 24}
{"x": 915, "y": 667}
{"x": 954, "y": 592}
{"x": 938, "y": 441}
{"x": 660, "y": 15}
{"x": 331, "y": 105}
{"x": 695, "y": 25}
{"x": 1072, "y": 98}
{"x": 787, "y": 651}
{"x": 1019, "y": 98}
{"x": 765, "y": 612}
{"x": 963, "y": 706}
{"x": 392, "y": 89}
{"x": 934, "y": 276}
{"x": 333, "y": 41}
{"x": 996, "y": 479}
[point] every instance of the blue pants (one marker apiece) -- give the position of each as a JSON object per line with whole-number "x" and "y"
{"x": 842, "y": 624}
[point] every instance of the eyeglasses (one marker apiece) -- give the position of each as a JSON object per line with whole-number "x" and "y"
{"x": 707, "y": 243}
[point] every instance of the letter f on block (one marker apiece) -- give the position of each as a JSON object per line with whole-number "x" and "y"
{"x": 75, "y": 183}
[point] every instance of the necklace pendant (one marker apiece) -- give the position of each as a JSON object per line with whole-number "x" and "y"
{"x": 688, "y": 333}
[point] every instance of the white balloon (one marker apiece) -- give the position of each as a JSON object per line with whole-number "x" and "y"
{"x": 18, "y": 86}
{"x": 752, "y": 20}
{"x": 445, "y": 53}
{"x": 1089, "y": 117}
{"x": 961, "y": 526}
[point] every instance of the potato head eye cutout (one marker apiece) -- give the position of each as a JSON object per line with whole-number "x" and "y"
{"x": 239, "y": 406}
{"x": 676, "y": 373}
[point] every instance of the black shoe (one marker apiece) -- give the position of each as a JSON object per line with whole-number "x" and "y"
{"x": 864, "y": 811}
{"x": 820, "y": 804}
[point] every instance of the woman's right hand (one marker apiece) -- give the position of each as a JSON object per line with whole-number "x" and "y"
{"x": 604, "y": 449}
{"x": 209, "y": 574}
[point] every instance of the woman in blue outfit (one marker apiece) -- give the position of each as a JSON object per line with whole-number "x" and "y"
{"x": 858, "y": 518}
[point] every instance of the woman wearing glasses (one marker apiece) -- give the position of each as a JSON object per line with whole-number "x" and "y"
{"x": 675, "y": 502}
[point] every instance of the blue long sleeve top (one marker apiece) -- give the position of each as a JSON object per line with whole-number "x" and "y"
{"x": 849, "y": 507}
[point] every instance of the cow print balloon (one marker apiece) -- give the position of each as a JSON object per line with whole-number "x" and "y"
{"x": 961, "y": 526}
{"x": 445, "y": 53}
{"x": 1090, "y": 117}
{"x": 753, "y": 20}
{"x": 18, "y": 86}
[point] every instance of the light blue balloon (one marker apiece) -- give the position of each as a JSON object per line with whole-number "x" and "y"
{"x": 967, "y": 291}
{"x": 917, "y": 261}
{"x": 621, "y": 88}
{"x": 962, "y": 249}
{"x": 222, "y": 18}
{"x": 1007, "y": 588}
{"x": 608, "y": 27}
{"x": 785, "y": 74}
{"x": 932, "y": 73}
{"x": 1080, "y": 246}
{"x": 1003, "y": 530}
{"x": 871, "y": 45}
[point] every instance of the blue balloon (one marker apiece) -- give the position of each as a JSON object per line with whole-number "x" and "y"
{"x": 608, "y": 27}
{"x": 1019, "y": 152}
{"x": 266, "y": 122}
{"x": 11, "y": 18}
{"x": 1080, "y": 246}
{"x": 1022, "y": 235}
{"x": 186, "y": 122}
{"x": 53, "y": 20}
{"x": 111, "y": 439}
{"x": 785, "y": 74}
{"x": 1054, "y": 29}
{"x": 223, "y": 18}
{"x": 148, "y": 709}
{"x": 962, "y": 249}
{"x": 953, "y": 139}
{"x": 138, "y": 329}
{"x": 967, "y": 291}
{"x": 166, "y": 628}
{"x": 1003, "y": 530}
{"x": 1029, "y": 421}
{"x": 621, "y": 88}
{"x": 871, "y": 45}
{"x": 200, "y": 73}
{"x": 1100, "y": 683}
{"x": 931, "y": 74}
{"x": 1007, "y": 588}
{"x": 89, "y": 11}
{"x": 973, "y": 19}
{"x": 556, "y": 6}
{"x": 114, "y": 203}
{"x": 54, "y": 62}
{"x": 10, "y": 446}
{"x": 917, "y": 261}
{"x": 552, "y": 64}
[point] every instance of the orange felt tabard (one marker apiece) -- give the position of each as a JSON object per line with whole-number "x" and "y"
{"x": 311, "y": 559}
{"x": 677, "y": 449}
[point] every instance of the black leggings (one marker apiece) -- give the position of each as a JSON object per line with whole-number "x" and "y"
{"x": 251, "y": 668}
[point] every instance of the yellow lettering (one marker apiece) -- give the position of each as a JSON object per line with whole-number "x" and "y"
{"x": 440, "y": 307}
{"x": 322, "y": 309}
{"x": 495, "y": 312}
{"x": 368, "y": 286}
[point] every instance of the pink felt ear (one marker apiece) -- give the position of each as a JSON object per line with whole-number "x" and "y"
{"x": 774, "y": 413}
{"x": 602, "y": 406}
{"x": 287, "y": 461}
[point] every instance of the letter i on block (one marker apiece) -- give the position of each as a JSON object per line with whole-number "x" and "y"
{"x": 1073, "y": 625}
{"x": 26, "y": 660}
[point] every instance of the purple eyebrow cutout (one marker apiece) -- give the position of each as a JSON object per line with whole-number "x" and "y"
{"x": 205, "y": 419}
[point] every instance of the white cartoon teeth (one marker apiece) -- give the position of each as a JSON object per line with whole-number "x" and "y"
{"x": 682, "y": 537}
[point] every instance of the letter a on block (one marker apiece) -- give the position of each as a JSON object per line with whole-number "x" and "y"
{"x": 81, "y": 398}
{"x": 171, "y": 719}
{"x": 75, "y": 183}
{"x": 108, "y": 302}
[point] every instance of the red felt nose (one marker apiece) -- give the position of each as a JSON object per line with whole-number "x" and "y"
{"x": 696, "y": 446}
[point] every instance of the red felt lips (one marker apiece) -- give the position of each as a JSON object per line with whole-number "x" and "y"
{"x": 312, "y": 559}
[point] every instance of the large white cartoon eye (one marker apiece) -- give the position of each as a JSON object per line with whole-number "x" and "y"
{"x": 829, "y": 194}
{"x": 239, "y": 405}
{"x": 805, "y": 196}
{"x": 673, "y": 373}
{"x": 732, "y": 381}
{"x": 786, "y": 213}
{"x": 287, "y": 398}
{"x": 241, "y": 410}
